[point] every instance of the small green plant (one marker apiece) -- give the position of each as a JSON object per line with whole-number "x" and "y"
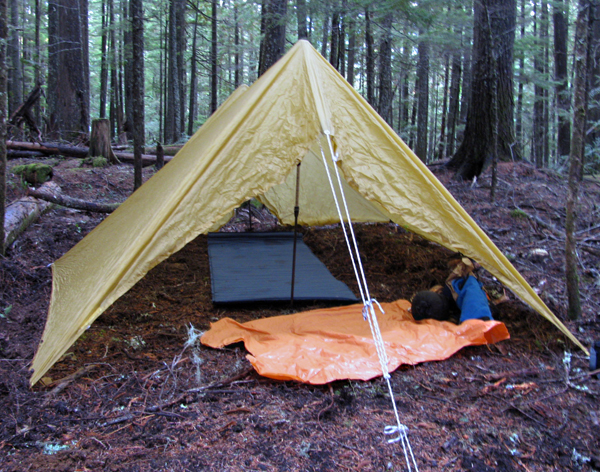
{"x": 6, "y": 311}
{"x": 518, "y": 213}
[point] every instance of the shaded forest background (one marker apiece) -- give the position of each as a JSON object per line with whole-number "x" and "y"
{"x": 413, "y": 61}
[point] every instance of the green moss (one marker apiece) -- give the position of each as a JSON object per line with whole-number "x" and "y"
{"x": 34, "y": 174}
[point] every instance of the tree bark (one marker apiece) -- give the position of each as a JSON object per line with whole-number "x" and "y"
{"x": 423, "y": 99}
{"x": 301, "y": 17}
{"x": 370, "y": 59}
{"x": 563, "y": 101}
{"x": 493, "y": 41}
{"x": 104, "y": 61}
{"x": 214, "y": 78}
{"x": 273, "y": 42}
{"x": 136, "y": 10}
{"x": 68, "y": 84}
{"x": 575, "y": 158}
{"x": 537, "y": 138}
{"x": 385, "y": 69}
{"x": 194, "y": 77}
{"x": 15, "y": 79}
{"x": 3, "y": 112}
{"x": 100, "y": 141}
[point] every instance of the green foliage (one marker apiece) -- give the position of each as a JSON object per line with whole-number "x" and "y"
{"x": 518, "y": 213}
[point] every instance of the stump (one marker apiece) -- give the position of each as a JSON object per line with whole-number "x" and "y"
{"x": 100, "y": 141}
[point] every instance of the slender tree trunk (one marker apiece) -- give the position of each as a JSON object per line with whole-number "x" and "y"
{"x": 519, "y": 121}
{"x": 370, "y": 59}
{"x": 173, "y": 102}
{"x": 443, "y": 135}
{"x": 351, "y": 51}
{"x": 454, "y": 103}
{"x": 3, "y": 111}
{"x": 423, "y": 98}
{"x": 137, "y": 35}
{"x": 15, "y": 88}
{"x": 181, "y": 47}
{"x": 104, "y": 61}
{"x": 214, "y": 77}
{"x": 593, "y": 87}
{"x": 194, "y": 79}
{"x": 537, "y": 145}
{"x": 127, "y": 47}
{"x": 335, "y": 37}
{"x": 238, "y": 51}
{"x": 385, "y": 70}
{"x": 342, "y": 39}
{"x": 575, "y": 158}
{"x": 563, "y": 101}
{"x": 38, "y": 56}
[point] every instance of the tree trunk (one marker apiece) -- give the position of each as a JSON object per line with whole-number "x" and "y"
{"x": 385, "y": 69}
{"x": 273, "y": 43}
{"x": 423, "y": 99}
{"x": 351, "y": 50}
{"x": 563, "y": 101}
{"x": 301, "y": 17}
{"x": 593, "y": 87}
{"x": 15, "y": 78}
{"x": 537, "y": 137}
{"x": 68, "y": 86}
{"x": 100, "y": 141}
{"x": 194, "y": 78}
{"x": 3, "y": 111}
{"x": 173, "y": 102}
{"x": 575, "y": 158}
{"x": 493, "y": 42}
{"x": 454, "y": 103}
{"x": 238, "y": 50}
{"x": 214, "y": 77}
{"x": 104, "y": 61}
{"x": 137, "y": 84}
{"x": 519, "y": 133}
{"x": 443, "y": 136}
{"x": 370, "y": 59}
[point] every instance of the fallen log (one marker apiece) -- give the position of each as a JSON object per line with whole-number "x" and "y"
{"x": 81, "y": 152}
{"x": 22, "y": 213}
{"x": 53, "y": 195}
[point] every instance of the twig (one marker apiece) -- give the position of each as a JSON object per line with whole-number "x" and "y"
{"x": 327, "y": 408}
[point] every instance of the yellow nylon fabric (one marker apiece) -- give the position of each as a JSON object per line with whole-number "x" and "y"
{"x": 250, "y": 145}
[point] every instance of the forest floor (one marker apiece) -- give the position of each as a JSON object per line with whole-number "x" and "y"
{"x": 136, "y": 404}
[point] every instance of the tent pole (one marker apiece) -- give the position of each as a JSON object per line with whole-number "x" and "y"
{"x": 296, "y": 212}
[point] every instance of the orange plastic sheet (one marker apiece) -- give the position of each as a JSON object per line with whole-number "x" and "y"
{"x": 320, "y": 346}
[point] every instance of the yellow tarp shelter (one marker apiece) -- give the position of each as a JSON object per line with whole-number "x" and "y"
{"x": 250, "y": 147}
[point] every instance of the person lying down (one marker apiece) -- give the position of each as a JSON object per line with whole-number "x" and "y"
{"x": 461, "y": 298}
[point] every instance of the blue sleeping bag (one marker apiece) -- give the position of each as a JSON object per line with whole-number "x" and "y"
{"x": 472, "y": 300}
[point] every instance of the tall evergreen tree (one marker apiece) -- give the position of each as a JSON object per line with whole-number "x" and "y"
{"x": 68, "y": 81}
{"x": 493, "y": 42}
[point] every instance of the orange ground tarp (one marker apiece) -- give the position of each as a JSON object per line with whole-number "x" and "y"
{"x": 321, "y": 346}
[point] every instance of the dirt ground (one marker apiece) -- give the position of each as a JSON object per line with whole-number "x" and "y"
{"x": 128, "y": 397}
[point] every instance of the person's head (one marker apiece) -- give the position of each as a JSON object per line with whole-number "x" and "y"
{"x": 430, "y": 305}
